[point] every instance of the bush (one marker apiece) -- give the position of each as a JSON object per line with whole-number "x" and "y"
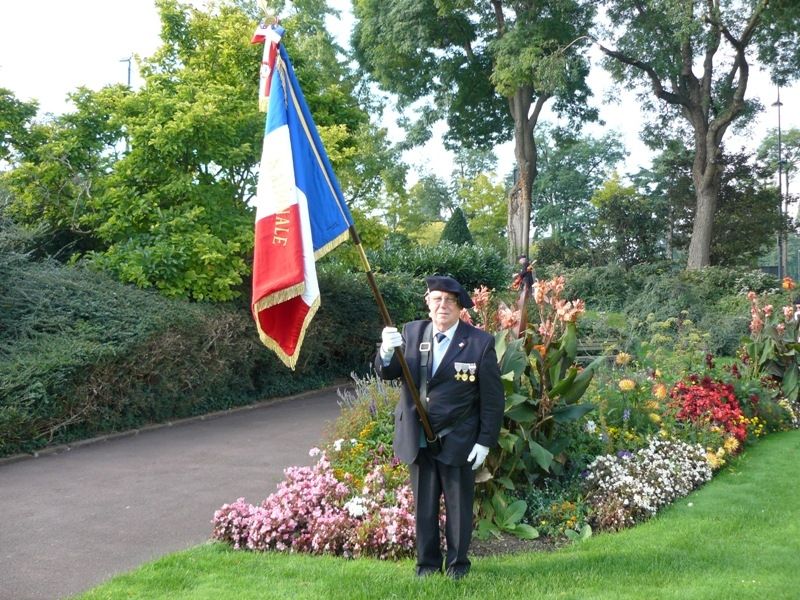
{"x": 82, "y": 355}
{"x": 472, "y": 266}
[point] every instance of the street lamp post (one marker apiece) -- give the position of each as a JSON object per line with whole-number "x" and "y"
{"x": 781, "y": 240}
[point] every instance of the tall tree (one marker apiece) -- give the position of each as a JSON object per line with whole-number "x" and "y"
{"x": 789, "y": 148}
{"x": 456, "y": 230}
{"x": 170, "y": 209}
{"x": 481, "y": 199}
{"x": 571, "y": 169}
{"x": 488, "y": 68}
{"x": 626, "y": 230}
{"x": 16, "y": 118}
{"x": 694, "y": 56}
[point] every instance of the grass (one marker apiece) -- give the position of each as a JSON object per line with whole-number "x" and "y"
{"x": 737, "y": 537}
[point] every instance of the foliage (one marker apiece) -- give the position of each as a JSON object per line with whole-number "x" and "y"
{"x": 748, "y": 216}
{"x": 627, "y": 488}
{"x": 692, "y": 60}
{"x": 571, "y": 168}
{"x": 543, "y": 387}
{"x": 82, "y": 354}
{"x": 171, "y": 211}
{"x": 628, "y": 228}
{"x": 15, "y": 121}
{"x": 487, "y": 214}
{"x": 482, "y": 68}
{"x": 361, "y": 437}
{"x": 456, "y": 230}
{"x": 772, "y": 349}
{"x": 471, "y": 265}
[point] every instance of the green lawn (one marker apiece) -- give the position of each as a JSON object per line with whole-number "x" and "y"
{"x": 737, "y": 537}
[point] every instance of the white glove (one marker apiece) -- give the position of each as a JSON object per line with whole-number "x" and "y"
{"x": 390, "y": 339}
{"x": 479, "y": 454}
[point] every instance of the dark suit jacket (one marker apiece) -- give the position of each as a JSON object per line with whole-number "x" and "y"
{"x": 449, "y": 398}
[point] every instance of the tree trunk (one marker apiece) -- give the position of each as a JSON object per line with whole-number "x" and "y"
{"x": 707, "y": 178}
{"x": 519, "y": 200}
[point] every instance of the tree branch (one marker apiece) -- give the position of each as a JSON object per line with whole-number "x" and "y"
{"x": 499, "y": 16}
{"x": 655, "y": 80}
{"x": 540, "y": 101}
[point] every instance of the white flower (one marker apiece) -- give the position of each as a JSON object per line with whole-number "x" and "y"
{"x": 356, "y": 506}
{"x": 313, "y": 452}
{"x": 337, "y": 445}
{"x": 590, "y": 427}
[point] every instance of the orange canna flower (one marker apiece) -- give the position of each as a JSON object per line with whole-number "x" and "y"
{"x": 788, "y": 283}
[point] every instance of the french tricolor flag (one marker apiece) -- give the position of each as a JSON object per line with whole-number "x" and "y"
{"x": 300, "y": 216}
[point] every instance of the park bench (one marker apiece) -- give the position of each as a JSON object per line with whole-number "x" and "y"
{"x": 588, "y": 350}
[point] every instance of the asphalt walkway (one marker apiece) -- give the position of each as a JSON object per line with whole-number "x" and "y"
{"x": 72, "y": 519}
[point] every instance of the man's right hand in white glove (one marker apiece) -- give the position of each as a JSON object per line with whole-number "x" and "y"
{"x": 390, "y": 339}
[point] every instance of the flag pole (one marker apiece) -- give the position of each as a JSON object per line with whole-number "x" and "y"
{"x": 387, "y": 321}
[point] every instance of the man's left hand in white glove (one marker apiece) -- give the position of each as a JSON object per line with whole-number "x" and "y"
{"x": 478, "y": 454}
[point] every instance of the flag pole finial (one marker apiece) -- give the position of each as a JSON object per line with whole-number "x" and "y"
{"x": 269, "y": 17}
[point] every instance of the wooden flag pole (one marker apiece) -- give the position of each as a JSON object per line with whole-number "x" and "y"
{"x": 387, "y": 321}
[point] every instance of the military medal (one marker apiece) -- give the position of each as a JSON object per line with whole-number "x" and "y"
{"x": 472, "y": 369}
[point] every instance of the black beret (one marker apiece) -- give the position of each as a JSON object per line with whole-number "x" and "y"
{"x": 440, "y": 283}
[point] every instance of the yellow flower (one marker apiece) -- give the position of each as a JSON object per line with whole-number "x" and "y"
{"x": 714, "y": 461}
{"x": 731, "y": 444}
{"x": 626, "y": 385}
{"x": 623, "y": 358}
{"x": 655, "y": 418}
{"x": 660, "y": 391}
{"x": 658, "y": 373}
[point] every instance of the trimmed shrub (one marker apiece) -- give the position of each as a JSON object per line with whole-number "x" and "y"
{"x": 456, "y": 229}
{"x": 472, "y": 266}
{"x": 82, "y": 354}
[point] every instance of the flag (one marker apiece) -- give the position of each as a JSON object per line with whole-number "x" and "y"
{"x": 270, "y": 36}
{"x": 300, "y": 216}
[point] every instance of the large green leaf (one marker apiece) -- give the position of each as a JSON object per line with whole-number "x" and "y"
{"x": 526, "y": 532}
{"x": 514, "y": 399}
{"x": 507, "y": 441}
{"x": 571, "y": 412}
{"x": 569, "y": 341}
{"x": 542, "y": 456}
{"x": 563, "y": 385}
{"x": 513, "y": 514}
{"x": 789, "y": 385}
{"x": 522, "y": 413}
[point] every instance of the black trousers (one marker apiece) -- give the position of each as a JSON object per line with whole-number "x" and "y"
{"x": 429, "y": 480}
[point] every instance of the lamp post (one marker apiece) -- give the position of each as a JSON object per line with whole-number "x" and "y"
{"x": 781, "y": 241}
{"x": 128, "y": 60}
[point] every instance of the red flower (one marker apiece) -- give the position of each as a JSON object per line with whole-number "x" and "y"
{"x": 708, "y": 401}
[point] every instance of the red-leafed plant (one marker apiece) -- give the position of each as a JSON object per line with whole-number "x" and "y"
{"x": 709, "y": 402}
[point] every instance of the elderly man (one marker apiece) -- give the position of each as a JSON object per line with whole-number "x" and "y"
{"x": 465, "y": 402}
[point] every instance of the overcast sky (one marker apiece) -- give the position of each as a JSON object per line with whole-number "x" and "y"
{"x": 48, "y": 48}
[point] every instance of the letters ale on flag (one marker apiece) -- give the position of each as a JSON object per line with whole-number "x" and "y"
{"x": 300, "y": 215}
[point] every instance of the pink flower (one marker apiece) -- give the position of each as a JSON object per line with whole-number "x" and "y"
{"x": 751, "y": 295}
{"x": 481, "y": 297}
{"x": 768, "y": 310}
{"x": 788, "y": 313}
{"x": 756, "y": 324}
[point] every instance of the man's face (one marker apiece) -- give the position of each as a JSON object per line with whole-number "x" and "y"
{"x": 444, "y": 309}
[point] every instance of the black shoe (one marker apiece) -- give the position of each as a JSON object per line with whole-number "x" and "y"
{"x": 456, "y": 574}
{"x": 427, "y": 571}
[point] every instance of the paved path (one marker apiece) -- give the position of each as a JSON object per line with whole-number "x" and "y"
{"x": 73, "y": 519}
